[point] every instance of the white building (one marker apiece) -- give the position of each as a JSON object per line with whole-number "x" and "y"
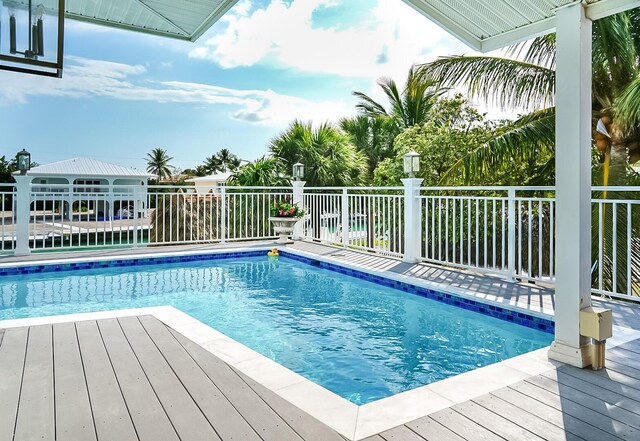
{"x": 211, "y": 183}
{"x": 108, "y": 190}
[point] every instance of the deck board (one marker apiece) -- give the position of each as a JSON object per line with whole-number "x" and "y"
{"x": 401, "y": 433}
{"x": 574, "y": 428}
{"x": 35, "y": 418}
{"x": 74, "y": 420}
{"x": 110, "y": 413}
{"x": 264, "y": 420}
{"x": 518, "y": 416}
{"x": 12, "y": 355}
{"x": 227, "y": 421}
{"x": 495, "y": 422}
{"x": 186, "y": 417}
{"x": 430, "y": 429}
{"x": 149, "y": 418}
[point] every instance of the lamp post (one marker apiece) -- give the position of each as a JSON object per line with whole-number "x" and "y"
{"x": 22, "y": 203}
{"x": 298, "y": 196}
{"x": 412, "y": 208}
{"x": 411, "y": 163}
{"x": 23, "y": 160}
{"x": 298, "y": 171}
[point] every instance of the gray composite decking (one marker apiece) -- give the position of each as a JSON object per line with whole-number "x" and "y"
{"x": 563, "y": 404}
{"x": 134, "y": 378}
{"x": 130, "y": 379}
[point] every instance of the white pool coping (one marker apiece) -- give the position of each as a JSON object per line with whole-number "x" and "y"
{"x": 350, "y": 420}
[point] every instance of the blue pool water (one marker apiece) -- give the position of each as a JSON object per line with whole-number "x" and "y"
{"x": 358, "y": 339}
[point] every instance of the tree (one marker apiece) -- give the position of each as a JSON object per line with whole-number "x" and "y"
{"x": 263, "y": 172}
{"x": 406, "y": 108}
{"x": 329, "y": 157}
{"x": 223, "y": 161}
{"x": 372, "y": 136}
{"x": 454, "y": 129}
{"x": 158, "y": 163}
{"x": 530, "y": 84}
{"x": 212, "y": 165}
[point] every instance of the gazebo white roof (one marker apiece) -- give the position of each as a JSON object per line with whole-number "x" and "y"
{"x": 86, "y": 167}
{"x": 216, "y": 177}
{"x": 491, "y": 24}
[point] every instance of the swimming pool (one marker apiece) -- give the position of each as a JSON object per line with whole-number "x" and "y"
{"x": 359, "y": 339}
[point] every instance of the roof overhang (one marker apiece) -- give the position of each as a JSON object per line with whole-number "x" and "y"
{"x": 488, "y": 25}
{"x": 180, "y": 19}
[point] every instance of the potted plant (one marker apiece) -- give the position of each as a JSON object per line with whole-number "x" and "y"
{"x": 284, "y": 216}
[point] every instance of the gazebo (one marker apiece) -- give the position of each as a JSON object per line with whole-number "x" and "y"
{"x": 484, "y": 25}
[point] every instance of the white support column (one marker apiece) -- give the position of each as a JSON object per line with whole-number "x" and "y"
{"x": 412, "y": 220}
{"x": 573, "y": 183}
{"x": 22, "y": 215}
{"x": 298, "y": 198}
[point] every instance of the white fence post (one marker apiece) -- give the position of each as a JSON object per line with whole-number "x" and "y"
{"x": 223, "y": 214}
{"x": 22, "y": 215}
{"x": 511, "y": 234}
{"x": 412, "y": 220}
{"x": 298, "y": 198}
{"x": 136, "y": 207}
{"x": 344, "y": 215}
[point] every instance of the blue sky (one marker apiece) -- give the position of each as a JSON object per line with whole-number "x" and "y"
{"x": 265, "y": 63}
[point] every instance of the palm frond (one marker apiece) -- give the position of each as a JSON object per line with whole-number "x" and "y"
{"x": 368, "y": 106}
{"x": 531, "y": 135}
{"x": 627, "y": 109}
{"x": 540, "y": 51}
{"x": 508, "y": 84}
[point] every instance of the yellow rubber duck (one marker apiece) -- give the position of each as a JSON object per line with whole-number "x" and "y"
{"x": 273, "y": 253}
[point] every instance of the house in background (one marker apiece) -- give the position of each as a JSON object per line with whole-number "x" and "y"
{"x": 94, "y": 184}
{"x": 211, "y": 183}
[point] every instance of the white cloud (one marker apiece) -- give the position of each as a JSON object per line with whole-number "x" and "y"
{"x": 86, "y": 78}
{"x": 385, "y": 41}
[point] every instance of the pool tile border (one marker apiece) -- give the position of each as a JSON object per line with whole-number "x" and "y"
{"x": 15, "y": 270}
{"x": 499, "y": 312}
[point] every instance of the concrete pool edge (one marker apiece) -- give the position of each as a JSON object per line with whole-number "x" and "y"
{"x": 350, "y": 420}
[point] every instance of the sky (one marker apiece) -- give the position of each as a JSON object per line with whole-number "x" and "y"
{"x": 265, "y": 63}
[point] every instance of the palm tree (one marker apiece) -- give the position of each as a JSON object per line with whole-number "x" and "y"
{"x": 263, "y": 172}
{"x": 406, "y": 108}
{"x": 228, "y": 161}
{"x": 372, "y": 136}
{"x": 212, "y": 165}
{"x": 329, "y": 157}
{"x": 529, "y": 84}
{"x": 158, "y": 163}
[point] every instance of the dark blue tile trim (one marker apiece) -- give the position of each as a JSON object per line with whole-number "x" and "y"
{"x": 74, "y": 266}
{"x": 509, "y": 315}
{"x": 498, "y": 312}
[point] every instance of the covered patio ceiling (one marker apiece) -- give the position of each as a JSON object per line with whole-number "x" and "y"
{"x": 180, "y": 19}
{"x": 486, "y": 25}
{"x": 482, "y": 24}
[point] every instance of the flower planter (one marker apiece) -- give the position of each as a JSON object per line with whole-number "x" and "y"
{"x": 284, "y": 227}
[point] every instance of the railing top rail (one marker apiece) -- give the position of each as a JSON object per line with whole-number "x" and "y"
{"x": 489, "y": 188}
{"x": 354, "y": 188}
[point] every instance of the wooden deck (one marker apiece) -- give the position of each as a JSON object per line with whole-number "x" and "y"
{"x": 563, "y": 404}
{"x": 134, "y": 378}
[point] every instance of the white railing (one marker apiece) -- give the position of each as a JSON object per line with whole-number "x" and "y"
{"x": 7, "y": 218}
{"x": 506, "y": 231}
{"x": 366, "y": 218}
{"x": 122, "y": 216}
{"x": 501, "y": 230}
{"x": 616, "y": 242}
